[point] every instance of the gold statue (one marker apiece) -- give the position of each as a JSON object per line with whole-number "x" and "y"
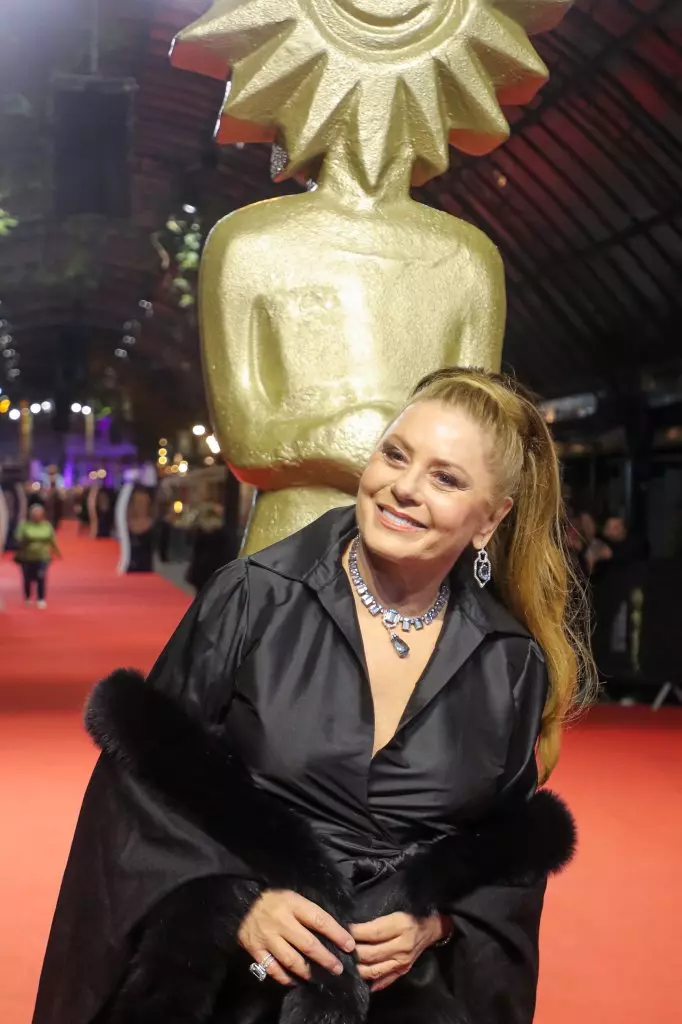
{"x": 320, "y": 311}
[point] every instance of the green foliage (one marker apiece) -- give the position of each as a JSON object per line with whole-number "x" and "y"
{"x": 7, "y": 222}
{"x": 182, "y": 242}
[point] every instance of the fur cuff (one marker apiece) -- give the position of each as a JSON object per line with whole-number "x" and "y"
{"x": 154, "y": 738}
{"x": 522, "y": 848}
{"x": 192, "y": 768}
{"x": 187, "y": 937}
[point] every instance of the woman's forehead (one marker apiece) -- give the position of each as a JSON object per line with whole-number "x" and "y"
{"x": 435, "y": 423}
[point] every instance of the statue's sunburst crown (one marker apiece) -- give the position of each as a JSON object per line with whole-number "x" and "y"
{"x": 387, "y": 73}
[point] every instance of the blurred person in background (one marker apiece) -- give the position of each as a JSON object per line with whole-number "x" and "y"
{"x": 211, "y": 548}
{"x": 140, "y": 521}
{"x": 576, "y": 548}
{"x": 36, "y": 544}
{"x": 596, "y": 550}
{"x": 624, "y": 547}
{"x": 81, "y": 511}
{"x": 104, "y": 513}
{"x": 165, "y": 517}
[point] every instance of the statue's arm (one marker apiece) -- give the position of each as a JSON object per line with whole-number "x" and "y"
{"x": 479, "y": 342}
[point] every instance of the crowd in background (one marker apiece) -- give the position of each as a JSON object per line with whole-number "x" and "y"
{"x": 623, "y": 585}
{"x": 594, "y": 546}
{"x": 199, "y": 537}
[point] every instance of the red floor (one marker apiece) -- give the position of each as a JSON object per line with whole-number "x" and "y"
{"x": 611, "y": 943}
{"x": 95, "y": 621}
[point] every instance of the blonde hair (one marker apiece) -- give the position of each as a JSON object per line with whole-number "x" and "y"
{"x": 531, "y": 568}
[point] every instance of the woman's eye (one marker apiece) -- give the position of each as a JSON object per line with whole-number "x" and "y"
{"x": 394, "y": 454}
{"x": 446, "y": 480}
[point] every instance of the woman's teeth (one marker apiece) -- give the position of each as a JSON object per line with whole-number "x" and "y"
{"x": 399, "y": 520}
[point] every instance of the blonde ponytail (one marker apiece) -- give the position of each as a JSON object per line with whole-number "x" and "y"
{"x": 532, "y": 571}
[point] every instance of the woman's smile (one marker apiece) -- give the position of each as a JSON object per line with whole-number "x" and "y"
{"x": 394, "y": 520}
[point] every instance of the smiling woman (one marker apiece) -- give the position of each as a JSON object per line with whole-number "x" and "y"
{"x": 430, "y": 481}
{"x": 471, "y": 453}
{"x": 284, "y": 786}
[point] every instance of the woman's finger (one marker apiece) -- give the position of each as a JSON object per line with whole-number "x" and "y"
{"x": 274, "y": 970}
{"x": 382, "y": 929}
{"x": 384, "y": 983}
{"x": 312, "y": 916}
{"x": 381, "y": 951}
{"x": 311, "y": 948}
{"x": 377, "y": 972}
{"x": 289, "y": 958}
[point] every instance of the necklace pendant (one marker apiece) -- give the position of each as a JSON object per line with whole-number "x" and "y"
{"x": 399, "y": 646}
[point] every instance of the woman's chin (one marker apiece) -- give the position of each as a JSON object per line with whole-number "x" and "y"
{"x": 392, "y": 545}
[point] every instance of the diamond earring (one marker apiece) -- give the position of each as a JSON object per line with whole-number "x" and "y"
{"x": 482, "y": 568}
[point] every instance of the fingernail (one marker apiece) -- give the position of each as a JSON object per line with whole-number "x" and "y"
{"x": 338, "y": 969}
{"x": 350, "y": 946}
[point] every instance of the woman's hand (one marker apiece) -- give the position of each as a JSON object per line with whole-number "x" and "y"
{"x": 282, "y": 923}
{"x": 389, "y": 946}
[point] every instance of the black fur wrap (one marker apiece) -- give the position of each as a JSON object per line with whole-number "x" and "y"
{"x": 188, "y": 964}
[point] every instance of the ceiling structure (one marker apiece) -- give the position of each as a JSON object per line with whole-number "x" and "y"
{"x": 584, "y": 202}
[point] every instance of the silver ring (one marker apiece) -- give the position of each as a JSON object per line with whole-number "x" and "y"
{"x": 260, "y": 970}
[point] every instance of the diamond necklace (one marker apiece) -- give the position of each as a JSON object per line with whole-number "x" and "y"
{"x": 390, "y": 617}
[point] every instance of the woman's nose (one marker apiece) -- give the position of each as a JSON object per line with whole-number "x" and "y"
{"x": 405, "y": 488}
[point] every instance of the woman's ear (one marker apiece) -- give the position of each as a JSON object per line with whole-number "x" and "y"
{"x": 482, "y": 538}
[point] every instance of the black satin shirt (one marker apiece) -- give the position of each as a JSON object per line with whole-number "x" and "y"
{"x": 276, "y": 655}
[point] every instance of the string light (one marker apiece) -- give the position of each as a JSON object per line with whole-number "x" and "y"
{"x": 198, "y": 430}
{"x": 213, "y": 445}
{"x": 14, "y": 414}
{"x": 177, "y": 507}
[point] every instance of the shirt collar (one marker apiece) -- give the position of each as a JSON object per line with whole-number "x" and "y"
{"x": 313, "y": 556}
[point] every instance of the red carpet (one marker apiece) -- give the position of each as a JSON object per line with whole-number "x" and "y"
{"x": 95, "y": 621}
{"x": 611, "y": 939}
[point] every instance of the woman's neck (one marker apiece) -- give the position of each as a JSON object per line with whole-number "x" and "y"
{"x": 411, "y": 589}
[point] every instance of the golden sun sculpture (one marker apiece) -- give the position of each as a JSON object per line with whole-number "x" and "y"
{"x": 319, "y": 311}
{"x": 312, "y": 70}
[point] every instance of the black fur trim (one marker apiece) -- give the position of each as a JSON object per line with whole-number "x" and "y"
{"x": 537, "y": 839}
{"x": 151, "y": 736}
{"x": 191, "y": 767}
{"x": 206, "y": 913}
{"x": 347, "y": 1003}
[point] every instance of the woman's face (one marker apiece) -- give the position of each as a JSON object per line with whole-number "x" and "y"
{"x": 36, "y": 513}
{"x": 428, "y": 492}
